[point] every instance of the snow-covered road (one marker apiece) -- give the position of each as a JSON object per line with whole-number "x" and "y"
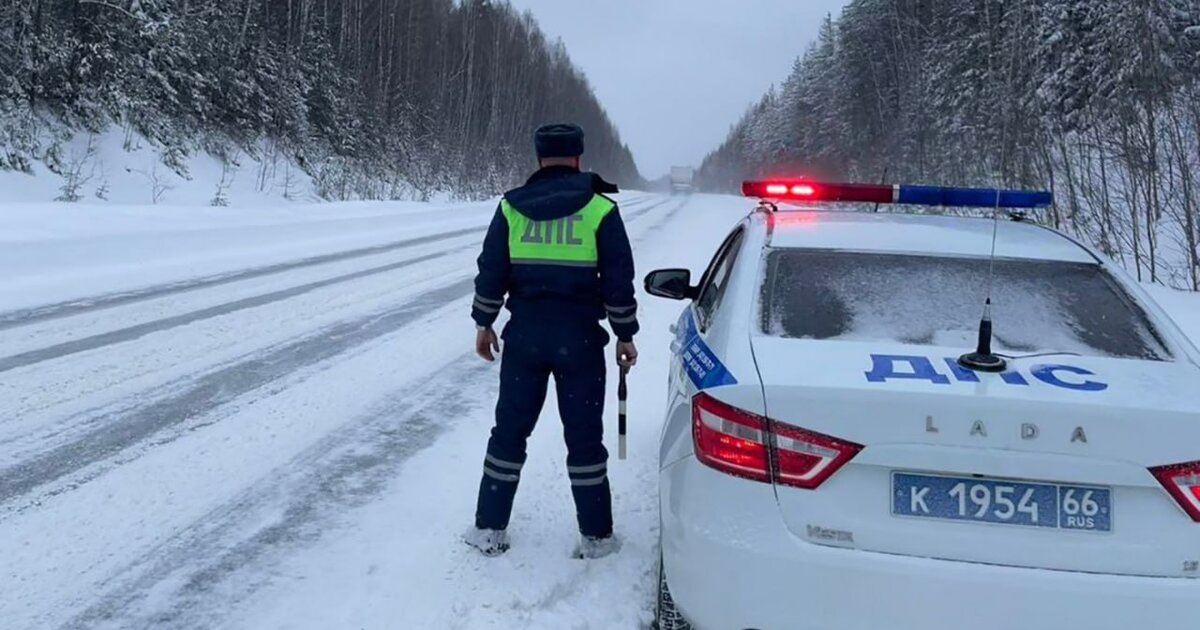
{"x": 274, "y": 420}
{"x": 270, "y": 419}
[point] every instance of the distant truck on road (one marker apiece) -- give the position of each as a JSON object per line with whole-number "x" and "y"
{"x": 682, "y": 179}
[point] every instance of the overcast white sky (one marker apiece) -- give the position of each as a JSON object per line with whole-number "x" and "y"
{"x": 675, "y": 74}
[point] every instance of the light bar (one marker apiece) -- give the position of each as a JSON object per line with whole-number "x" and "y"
{"x": 888, "y": 193}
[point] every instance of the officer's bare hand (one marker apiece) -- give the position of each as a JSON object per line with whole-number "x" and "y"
{"x": 626, "y": 354}
{"x": 485, "y": 342}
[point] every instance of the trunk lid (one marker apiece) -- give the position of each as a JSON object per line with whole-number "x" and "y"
{"x": 1047, "y": 427}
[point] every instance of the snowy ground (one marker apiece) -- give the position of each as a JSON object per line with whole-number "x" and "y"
{"x": 272, "y": 418}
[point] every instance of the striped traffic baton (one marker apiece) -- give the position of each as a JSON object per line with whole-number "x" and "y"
{"x": 622, "y": 395}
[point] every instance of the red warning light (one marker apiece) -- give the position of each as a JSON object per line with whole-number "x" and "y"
{"x": 820, "y": 191}
{"x": 782, "y": 189}
{"x": 777, "y": 189}
{"x": 803, "y": 190}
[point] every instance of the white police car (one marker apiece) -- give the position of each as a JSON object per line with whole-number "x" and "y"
{"x": 828, "y": 462}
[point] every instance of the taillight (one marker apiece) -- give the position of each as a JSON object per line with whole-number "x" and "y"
{"x": 729, "y": 439}
{"x": 736, "y": 442}
{"x": 1183, "y": 482}
{"x": 806, "y": 458}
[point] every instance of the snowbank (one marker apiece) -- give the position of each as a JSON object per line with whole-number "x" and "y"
{"x": 119, "y": 166}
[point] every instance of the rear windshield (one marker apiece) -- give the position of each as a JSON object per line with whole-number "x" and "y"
{"x": 1038, "y": 306}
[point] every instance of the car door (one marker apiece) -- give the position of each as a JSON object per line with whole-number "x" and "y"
{"x": 689, "y": 348}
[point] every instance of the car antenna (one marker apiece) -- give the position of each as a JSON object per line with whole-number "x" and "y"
{"x": 982, "y": 360}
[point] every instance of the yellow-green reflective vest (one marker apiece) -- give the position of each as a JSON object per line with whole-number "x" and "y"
{"x": 569, "y": 241}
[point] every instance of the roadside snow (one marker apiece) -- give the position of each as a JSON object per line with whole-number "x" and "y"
{"x": 120, "y": 166}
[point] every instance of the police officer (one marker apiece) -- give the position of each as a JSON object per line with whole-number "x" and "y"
{"x": 557, "y": 248}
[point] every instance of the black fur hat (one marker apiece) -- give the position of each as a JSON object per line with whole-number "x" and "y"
{"x": 558, "y": 140}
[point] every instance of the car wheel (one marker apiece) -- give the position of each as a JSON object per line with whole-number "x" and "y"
{"x": 667, "y": 617}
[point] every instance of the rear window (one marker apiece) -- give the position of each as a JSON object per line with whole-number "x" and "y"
{"x": 1038, "y": 306}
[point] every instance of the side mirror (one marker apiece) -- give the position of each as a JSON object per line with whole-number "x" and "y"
{"x": 674, "y": 284}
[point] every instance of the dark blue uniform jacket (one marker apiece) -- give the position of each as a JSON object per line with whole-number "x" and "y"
{"x": 549, "y": 292}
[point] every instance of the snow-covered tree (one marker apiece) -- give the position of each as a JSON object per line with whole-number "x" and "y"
{"x": 1098, "y": 100}
{"x": 441, "y": 94}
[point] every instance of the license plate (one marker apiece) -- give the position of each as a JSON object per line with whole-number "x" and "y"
{"x": 1079, "y": 508}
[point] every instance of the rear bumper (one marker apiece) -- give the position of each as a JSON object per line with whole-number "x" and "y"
{"x": 732, "y": 564}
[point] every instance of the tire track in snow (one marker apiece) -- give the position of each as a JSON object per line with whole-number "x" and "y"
{"x": 131, "y": 333}
{"x": 116, "y": 431}
{"x": 346, "y": 469}
{"x": 59, "y": 310}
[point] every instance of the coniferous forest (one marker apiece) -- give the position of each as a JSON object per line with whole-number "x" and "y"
{"x": 1097, "y": 100}
{"x": 369, "y": 97}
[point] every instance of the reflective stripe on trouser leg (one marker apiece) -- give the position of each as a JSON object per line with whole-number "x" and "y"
{"x": 501, "y": 470}
{"x": 593, "y": 505}
{"x": 523, "y": 382}
{"x": 593, "y": 475}
{"x": 579, "y": 377}
{"x": 499, "y": 476}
